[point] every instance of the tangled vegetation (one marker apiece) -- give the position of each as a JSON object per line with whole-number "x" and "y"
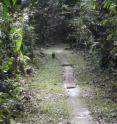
{"x": 25, "y": 25}
{"x": 15, "y": 55}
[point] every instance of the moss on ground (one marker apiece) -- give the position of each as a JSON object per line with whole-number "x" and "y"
{"x": 48, "y": 103}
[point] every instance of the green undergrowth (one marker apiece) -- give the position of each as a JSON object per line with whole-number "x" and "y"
{"x": 98, "y": 89}
{"x": 48, "y": 104}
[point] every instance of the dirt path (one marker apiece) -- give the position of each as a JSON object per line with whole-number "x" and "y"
{"x": 79, "y": 113}
{"x": 49, "y": 103}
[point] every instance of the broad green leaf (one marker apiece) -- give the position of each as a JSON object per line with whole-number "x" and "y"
{"x": 19, "y": 42}
{"x": 14, "y": 2}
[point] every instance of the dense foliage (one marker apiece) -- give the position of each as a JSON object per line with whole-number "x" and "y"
{"x": 24, "y": 25}
{"x": 95, "y": 28}
{"x": 84, "y": 24}
{"x": 15, "y": 54}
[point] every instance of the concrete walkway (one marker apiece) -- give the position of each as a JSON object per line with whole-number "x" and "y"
{"x": 79, "y": 113}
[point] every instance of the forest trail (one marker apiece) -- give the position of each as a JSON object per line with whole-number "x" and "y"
{"x": 43, "y": 80}
{"x": 58, "y": 94}
{"x": 79, "y": 113}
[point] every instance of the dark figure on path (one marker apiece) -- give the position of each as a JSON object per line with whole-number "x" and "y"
{"x": 53, "y": 55}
